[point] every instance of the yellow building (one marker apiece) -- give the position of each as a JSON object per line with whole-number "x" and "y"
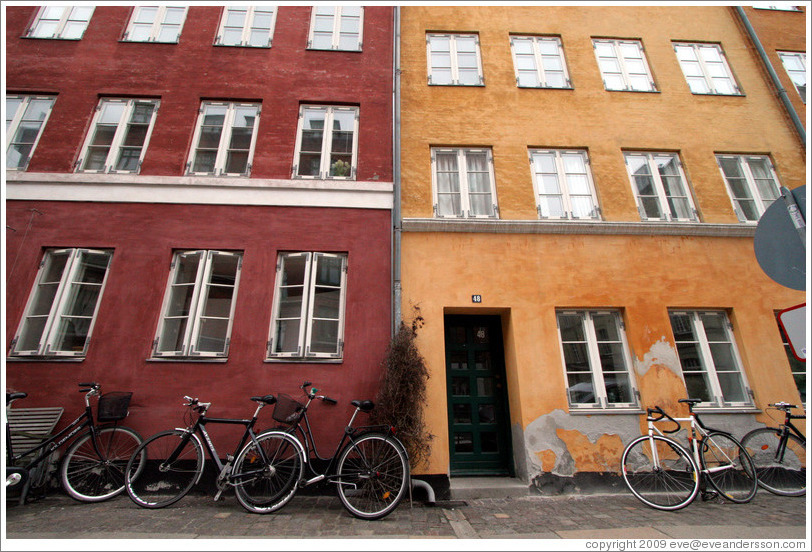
{"x": 580, "y": 188}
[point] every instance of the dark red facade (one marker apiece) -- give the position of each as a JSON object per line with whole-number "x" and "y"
{"x": 143, "y": 235}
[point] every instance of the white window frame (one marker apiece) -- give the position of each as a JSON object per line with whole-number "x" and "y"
{"x": 708, "y": 367}
{"x": 307, "y": 315}
{"x": 339, "y": 17}
{"x": 69, "y": 14}
{"x": 326, "y": 168}
{"x": 562, "y": 175}
{"x": 15, "y": 119}
{"x": 463, "y": 180}
{"x": 197, "y": 306}
{"x": 699, "y": 52}
{"x": 118, "y": 143}
{"x": 623, "y": 64}
{"x": 247, "y": 26}
{"x": 67, "y": 290}
{"x": 797, "y": 77}
{"x": 221, "y": 159}
{"x": 760, "y": 202}
{"x": 660, "y": 191}
{"x": 538, "y": 57}
{"x": 157, "y": 24}
{"x": 593, "y": 353}
{"x": 454, "y": 57}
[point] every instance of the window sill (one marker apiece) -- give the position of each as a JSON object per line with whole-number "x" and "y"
{"x": 208, "y": 360}
{"x": 268, "y": 47}
{"x": 297, "y": 360}
{"x": 633, "y": 91}
{"x": 44, "y": 359}
{"x": 575, "y": 411}
{"x": 545, "y": 87}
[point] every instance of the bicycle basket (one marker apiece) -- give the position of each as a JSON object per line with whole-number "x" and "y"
{"x": 287, "y": 410}
{"x": 113, "y": 406}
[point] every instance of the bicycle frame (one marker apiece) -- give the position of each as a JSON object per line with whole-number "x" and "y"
{"x": 785, "y": 429}
{"x": 696, "y": 428}
{"x": 199, "y": 428}
{"x": 85, "y": 420}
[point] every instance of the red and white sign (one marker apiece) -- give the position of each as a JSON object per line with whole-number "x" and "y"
{"x": 793, "y": 321}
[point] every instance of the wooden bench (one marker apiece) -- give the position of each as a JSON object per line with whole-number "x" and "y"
{"x": 31, "y": 426}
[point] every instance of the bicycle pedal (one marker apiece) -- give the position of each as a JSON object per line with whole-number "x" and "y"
{"x": 217, "y": 496}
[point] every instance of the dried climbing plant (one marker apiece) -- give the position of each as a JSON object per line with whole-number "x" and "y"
{"x": 402, "y": 393}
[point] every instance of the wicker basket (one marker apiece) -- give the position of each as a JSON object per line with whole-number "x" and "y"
{"x": 113, "y": 406}
{"x": 287, "y": 410}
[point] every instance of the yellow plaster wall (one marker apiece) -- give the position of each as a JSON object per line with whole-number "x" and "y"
{"x": 525, "y": 277}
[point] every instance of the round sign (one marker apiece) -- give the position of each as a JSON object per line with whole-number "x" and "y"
{"x": 780, "y": 249}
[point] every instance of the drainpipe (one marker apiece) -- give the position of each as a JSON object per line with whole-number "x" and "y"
{"x": 782, "y": 93}
{"x": 397, "y": 223}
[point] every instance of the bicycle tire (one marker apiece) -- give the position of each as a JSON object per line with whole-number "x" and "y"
{"x": 728, "y": 467}
{"x": 672, "y": 485}
{"x": 373, "y": 472}
{"x": 86, "y": 476}
{"x": 784, "y": 477}
{"x": 152, "y": 484}
{"x": 264, "y": 488}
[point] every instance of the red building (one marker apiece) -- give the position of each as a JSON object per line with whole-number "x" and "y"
{"x": 198, "y": 202}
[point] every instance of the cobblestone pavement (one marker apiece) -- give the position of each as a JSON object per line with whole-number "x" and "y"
{"x": 528, "y": 517}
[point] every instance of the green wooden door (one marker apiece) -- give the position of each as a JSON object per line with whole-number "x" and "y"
{"x": 478, "y": 419}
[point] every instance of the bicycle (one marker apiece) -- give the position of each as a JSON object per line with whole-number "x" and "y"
{"x": 370, "y": 466}
{"x": 779, "y": 454}
{"x": 165, "y": 467}
{"x": 93, "y": 467}
{"x": 665, "y": 475}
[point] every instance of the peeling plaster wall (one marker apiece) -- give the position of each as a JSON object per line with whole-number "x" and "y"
{"x": 661, "y": 354}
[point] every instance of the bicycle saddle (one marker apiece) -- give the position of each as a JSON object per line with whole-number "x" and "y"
{"x": 691, "y": 401}
{"x": 14, "y": 396}
{"x": 267, "y": 399}
{"x": 364, "y": 406}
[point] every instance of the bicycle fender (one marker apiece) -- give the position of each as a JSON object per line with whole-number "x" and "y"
{"x": 203, "y": 449}
{"x": 298, "y": 443}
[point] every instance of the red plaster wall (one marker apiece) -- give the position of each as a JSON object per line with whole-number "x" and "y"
{"x": 183, "y": 74}
{"x": 143, "y": 238}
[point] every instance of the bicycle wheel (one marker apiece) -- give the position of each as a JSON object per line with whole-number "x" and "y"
{"x": 373, "y": 472}
{"x": 151, "y": 482}
{"x": 728, "y": 467}
{"x": 90, "y": 476}
{"x": 264, "y": 487}
{"x": 669, "y": 484}
{"x": 782, "y": 472}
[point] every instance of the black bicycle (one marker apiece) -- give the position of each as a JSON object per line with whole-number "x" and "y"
{"x": 93, "y": 467}
{"x": 779, "y": 454}
{"x": 370, "y": 466}
{"x": 167, "y": 465}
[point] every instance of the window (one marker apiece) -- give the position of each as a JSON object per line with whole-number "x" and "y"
{"x": 623, "y": 65}
{"x": 709, "y": 358}
{"x": 463, "y": 183}
{"x": 63, "y": 22}
{"x": 795, "y": 65}
{"x": 797, "y": 367}
{"x": 539, "y": 62}
{"x": 336, "y": 28}
{"x": 706, "y": 69}
{"x": 751, "y": 183}
{"x": 454, "y": 59}
{"x": 596, "y": 359}
{"x": 659, "y": 185}
{"x": 63, "y": 304}
{"x": 119, "y": 135}
{"x": 327, "y": 142}
{"x": 247, "y": 26}
{"x": 155, "y": 24}
{"x": 777, "y": 7}
{"x": 224, "y": 139}
{"x": 308, "y": 309}
{"x": 25, "y": 119}
{"x": 199, "y": 304}
{"x": 563, "y": 185}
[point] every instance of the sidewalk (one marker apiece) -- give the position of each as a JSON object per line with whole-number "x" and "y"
{"x": 616, "y": 516}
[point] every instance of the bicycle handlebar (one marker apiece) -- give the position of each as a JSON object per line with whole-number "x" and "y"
{"x": 92, "y": 386}
{"x": 662, "y": 414}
